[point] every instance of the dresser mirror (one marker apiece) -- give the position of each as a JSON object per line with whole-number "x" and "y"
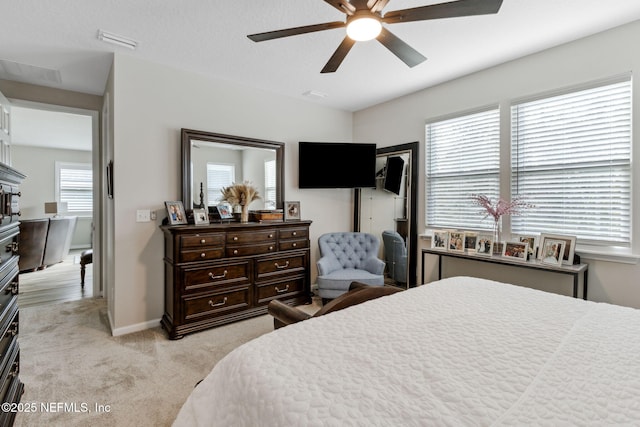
{"x": 211, "y": 160}
{"x": 389, "y": 212}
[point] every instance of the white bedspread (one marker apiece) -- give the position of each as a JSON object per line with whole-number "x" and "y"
{"x": 458, "y": 352}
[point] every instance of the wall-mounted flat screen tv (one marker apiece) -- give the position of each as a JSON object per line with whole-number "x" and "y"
{"x": 336, "y": 165}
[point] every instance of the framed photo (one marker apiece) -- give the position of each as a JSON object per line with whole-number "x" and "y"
{"x": 515, "y": 250}
{"x": 497, "y": 248}
{"x": 291, "y": 211}
{"x": 456, "y": 241}
{"x": 224, "y": 211}
{"x": 484, "y": 244}
{"x": 569, "y": 248}
{"x": 531, "y": 240}
{"x": 200, "y": 216}
{"x": 440, "y": 239}
{"x": 552, "y": 250}
{"x": 175, "y": 212}
{"x": 470, "y": 240}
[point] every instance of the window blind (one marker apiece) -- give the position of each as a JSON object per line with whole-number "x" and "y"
{"x": 270, "y": 184}
{"x": 463, "y": 158}
{"x": 571, "y": 158}
{"x": 75, "y": 186}
{"x": 218, "y": 176}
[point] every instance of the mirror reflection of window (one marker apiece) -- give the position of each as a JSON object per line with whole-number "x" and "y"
{"x": 218, "y": 176}
{"x": 270, "y": 184}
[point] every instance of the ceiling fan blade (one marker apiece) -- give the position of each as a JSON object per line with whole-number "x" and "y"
{"x": 360, "y": 4}
{"x": 406, "y": 53}
{"x": 270, "y": 35}
{"x": 338, "y": 56}
{"x": 376, "y": 5}
{"x": 443, "y": 10}
{"x": 342, "y": 5}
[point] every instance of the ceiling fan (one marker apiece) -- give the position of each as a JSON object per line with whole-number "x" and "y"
{"x": 364, "y": 22}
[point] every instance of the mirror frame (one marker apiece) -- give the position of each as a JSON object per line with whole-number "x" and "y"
{"x": 187, "y": 135}
{"x": 412, "y": 235}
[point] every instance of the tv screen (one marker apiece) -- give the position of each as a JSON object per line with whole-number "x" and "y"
{"x": 336, "y": 165}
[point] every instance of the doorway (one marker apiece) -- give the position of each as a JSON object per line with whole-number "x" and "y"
{"x": 55, "y": 147}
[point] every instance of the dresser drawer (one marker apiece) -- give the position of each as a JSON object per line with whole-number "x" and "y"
{"x": 258, "y": 249}
{"x": 284, "y": 289}
{"x": 257, "y": 236}
{"x": 10, "y": 368}
{"x": 216, "y": 303}
{"x": 294, "y": 233}
{"x": 204, "y": 254}
{"x": 229, "y": 273}
{"x": 287, "y": 245}
{"x": 202, "y": 240}
{"x": 8, "y": 298}
{"x": 282, "y": 264}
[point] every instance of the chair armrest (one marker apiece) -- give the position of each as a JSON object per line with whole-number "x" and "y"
{"x": 357, "y": 296}
{"x": 374, "y": 265}
{"x": 284, "y": 315}
{"x": 327, "y": 265}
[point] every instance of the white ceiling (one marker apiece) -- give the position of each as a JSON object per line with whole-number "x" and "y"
{"x": 209, "y": 37}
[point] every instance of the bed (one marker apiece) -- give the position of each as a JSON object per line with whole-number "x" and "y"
{"x": 458, "y": 352}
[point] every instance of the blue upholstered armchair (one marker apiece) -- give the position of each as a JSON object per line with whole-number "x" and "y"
{"x": 348, "y": 257}
{"x": 395, "y": 254}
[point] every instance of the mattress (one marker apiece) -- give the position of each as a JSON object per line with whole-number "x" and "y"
{"x": 458, "y": 352}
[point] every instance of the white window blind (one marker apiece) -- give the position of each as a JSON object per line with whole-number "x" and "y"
{"x": 571, "y": 159}
{"x": 218, "y": 176}
{"x": 270, "y": 184}
{"x": 463, "y": 158}
{"x": 74, "y": 183}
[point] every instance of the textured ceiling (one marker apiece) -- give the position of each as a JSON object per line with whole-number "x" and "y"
{"x": 210, "y": 37}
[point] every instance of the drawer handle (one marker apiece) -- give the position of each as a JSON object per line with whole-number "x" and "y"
{"x": 271, "y": 236}
{"x": 15, "y": 370}
{"x": 219, "y": 304}
{"x": 203, "y": 255}
{"x": 294, "y": 245}
{"x": 235, "y": 238}
{"x": 13, "y": 330}
{"x": 222, "y": 276}
{"x": 235, "y": 252}
{"x": 203, "y": 241}
{"x": 281, "y": 266}
{"x": 270, "y": 248}
{"x": 282, "y": 290}
{"x": 295, "y": 233}
{"x": 12, "y": 289}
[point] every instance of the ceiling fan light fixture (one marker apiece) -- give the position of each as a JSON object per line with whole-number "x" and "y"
{"x": 362, "y": 29}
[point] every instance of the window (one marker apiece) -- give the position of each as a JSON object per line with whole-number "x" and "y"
{"x": 74, "y": 185}
{"x": 270, "y": 184}
{"x": 463, "y": 158}
{"x": 571, "y": 158}
{"x": 218, "y": 176}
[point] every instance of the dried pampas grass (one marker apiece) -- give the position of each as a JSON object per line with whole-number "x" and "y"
{"x": 240, "y": 194}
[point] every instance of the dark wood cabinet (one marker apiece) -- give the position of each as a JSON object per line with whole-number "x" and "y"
{"x": 220, "y": 273}
{"x": 11, "y": 387}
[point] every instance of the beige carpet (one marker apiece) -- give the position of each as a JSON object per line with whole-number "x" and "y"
{"x": 68, "y": 355}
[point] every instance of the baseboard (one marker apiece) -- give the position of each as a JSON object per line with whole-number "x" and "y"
{"x": 116, "y": 332}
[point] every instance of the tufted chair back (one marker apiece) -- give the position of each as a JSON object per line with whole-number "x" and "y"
{"x": 350, "y": 249}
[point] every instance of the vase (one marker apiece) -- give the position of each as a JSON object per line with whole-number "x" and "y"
{"x": 244, "y": 213}
{"x": 497, "y": 230}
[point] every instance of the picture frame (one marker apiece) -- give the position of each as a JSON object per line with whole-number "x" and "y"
{"x": 291, "y": 211}
{"x": 552, "y": 251}
{"x": 456, "y": 241}
{"x": 200, "y": 216}
{"x": 470, "y": 240}
{"x": 569, "y": 249}
{"x": 175, "y": 212}
{"x": 484, "y": 245}
{"x": 532, "y": 240}
{"x": 440, "y": 239}
{"x": 516, "y": 251}
{"x": 497, "y": 248}
{"x": 224, "y": 211}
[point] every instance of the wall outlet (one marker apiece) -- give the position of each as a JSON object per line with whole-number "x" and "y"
{"x": 143, "y": 215}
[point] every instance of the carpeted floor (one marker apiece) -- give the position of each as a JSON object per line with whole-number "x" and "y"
{"x": 68, "y": 356}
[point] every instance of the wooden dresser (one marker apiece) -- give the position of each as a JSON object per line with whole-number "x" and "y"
{"x": 220, "y": 273}
{"x": 10, "y": 386}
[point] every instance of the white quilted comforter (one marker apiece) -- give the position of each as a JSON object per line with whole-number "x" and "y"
{"x": 458, "y": 352}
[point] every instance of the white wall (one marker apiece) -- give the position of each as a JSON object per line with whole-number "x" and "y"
{"x": 38, "y": 164}
{"x": 151, "y": 103}
{"x": 591, "y": 59}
